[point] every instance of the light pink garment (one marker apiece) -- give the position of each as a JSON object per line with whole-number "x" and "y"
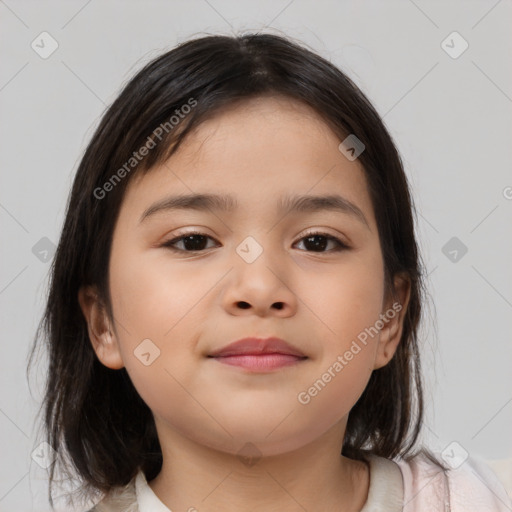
{"x": 472, "y": 487}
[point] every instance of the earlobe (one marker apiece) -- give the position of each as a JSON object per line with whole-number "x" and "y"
{"x": 101, "y": 335}
{"x": 393, "y": 316}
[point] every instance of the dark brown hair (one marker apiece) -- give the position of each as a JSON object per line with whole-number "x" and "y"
{"x": 94, "y": 417}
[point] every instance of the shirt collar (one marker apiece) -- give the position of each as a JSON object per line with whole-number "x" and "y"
{"x": 147, "y": 500}
{"x": 385, "y": 492}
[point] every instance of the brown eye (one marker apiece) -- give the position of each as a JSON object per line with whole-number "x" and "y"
{"x": 317, "y": 242}
{"x": 197, "y": 242}
{"x": 191, "y": 242}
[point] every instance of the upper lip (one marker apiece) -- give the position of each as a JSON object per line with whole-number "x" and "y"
{"x": 257, "y": 346}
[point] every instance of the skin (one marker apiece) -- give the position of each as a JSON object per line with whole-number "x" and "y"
{"x": 189, "y": 304}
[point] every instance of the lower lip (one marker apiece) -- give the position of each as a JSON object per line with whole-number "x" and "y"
{"x": 263, "y": 362}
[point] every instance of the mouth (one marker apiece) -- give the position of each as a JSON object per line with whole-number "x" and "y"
{"x": 259, "y": 355}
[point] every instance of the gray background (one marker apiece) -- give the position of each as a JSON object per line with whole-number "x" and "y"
{"x": 450, "y": 117}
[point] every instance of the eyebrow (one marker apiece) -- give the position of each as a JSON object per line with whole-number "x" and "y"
{"x": 228, "y": 203}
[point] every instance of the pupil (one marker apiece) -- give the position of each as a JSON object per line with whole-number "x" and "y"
{"x": 317, "y": 245}
{"x": 187, "y": 242}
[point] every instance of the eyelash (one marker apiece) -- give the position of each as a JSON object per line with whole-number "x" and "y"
{"x": 341, "y": 245}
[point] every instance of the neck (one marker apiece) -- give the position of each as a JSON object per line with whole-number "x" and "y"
{"x": 315, "y": 477}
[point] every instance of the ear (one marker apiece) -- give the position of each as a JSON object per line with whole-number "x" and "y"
{"x": 392, "y": 317}
{"x": 101, "y": 334}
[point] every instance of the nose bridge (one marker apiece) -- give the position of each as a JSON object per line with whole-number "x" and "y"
{"x": 260, "y": 276}
{"x": 258, "y": 236}
{"x": 259, "y": 255}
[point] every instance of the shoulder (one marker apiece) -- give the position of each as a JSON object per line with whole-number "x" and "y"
{"x": 466, "y": 486}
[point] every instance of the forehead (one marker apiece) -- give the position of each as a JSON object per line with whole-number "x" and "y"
{"x": 273, "y": 126}
{"x": 259, "y": 151}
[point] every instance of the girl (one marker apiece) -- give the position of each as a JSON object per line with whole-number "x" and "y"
{"x": 234, "y": 304}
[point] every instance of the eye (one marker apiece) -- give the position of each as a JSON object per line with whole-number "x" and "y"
{"x": 317, "y": 240}
{"x": 195, "y": 242}
{"x": 192, "y": 242}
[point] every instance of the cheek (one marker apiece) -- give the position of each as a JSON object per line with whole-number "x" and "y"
{"x": 348, "y": 299}
{"x": 349, "y": 305}
{"x": 153, "y": 299}
{"x": 158, "y": 317}
{"x": 332, "y": 394}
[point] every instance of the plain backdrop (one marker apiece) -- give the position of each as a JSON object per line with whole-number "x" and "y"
{"x": 449, "y": 113}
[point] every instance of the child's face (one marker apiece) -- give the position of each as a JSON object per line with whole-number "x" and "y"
{"x": 192, "y": 304}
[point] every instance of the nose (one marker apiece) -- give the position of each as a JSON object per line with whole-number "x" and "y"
{"x": 259, "y": 289}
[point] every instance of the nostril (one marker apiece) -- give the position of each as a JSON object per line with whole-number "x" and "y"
{"x": 244, "y": 305}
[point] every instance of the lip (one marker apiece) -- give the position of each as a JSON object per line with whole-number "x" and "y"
{"x": 259, "y": 355}
{"x": 258, "y": 347}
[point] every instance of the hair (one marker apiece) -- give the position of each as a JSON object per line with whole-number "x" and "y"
{"x": 93, "y": 414}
